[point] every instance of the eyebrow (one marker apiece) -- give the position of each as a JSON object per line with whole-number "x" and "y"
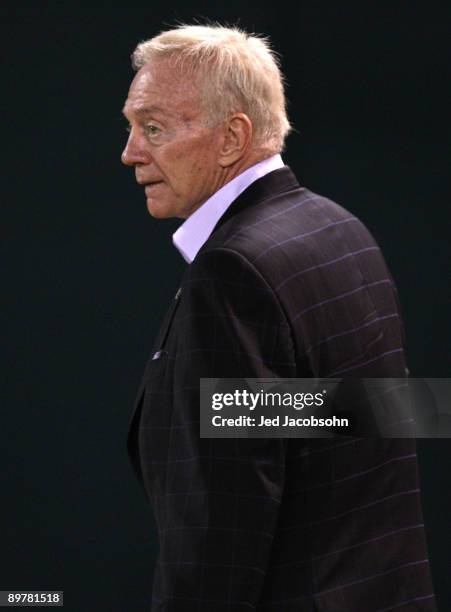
{"x": 145, "y": 110}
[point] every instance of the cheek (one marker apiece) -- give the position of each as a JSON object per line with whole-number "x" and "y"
{"x": 187, "y": 170}
{"x": 190, "y": 167}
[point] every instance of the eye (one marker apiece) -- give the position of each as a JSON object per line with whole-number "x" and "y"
{"x": 151, "y": 129}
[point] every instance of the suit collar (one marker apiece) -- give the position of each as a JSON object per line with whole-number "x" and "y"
{"x": 276, "y": 182}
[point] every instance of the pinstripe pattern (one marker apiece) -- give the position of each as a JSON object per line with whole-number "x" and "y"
{"x": 288, "y": 285}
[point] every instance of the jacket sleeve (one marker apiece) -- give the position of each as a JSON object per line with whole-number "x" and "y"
{"x": 220, "y": 498}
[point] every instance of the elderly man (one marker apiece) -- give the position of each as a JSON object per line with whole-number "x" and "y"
{"x": 280, "y": 283}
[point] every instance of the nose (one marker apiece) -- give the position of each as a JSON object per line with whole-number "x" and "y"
{"x": 134, "y": 151}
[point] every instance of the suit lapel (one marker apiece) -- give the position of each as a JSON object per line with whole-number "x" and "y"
{"x": 156, "y": 353}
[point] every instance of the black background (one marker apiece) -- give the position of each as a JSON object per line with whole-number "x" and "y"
{"x": 90, "y": 273}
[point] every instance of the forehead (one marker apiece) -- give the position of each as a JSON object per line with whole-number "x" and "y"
{"x": 159, "y": 87}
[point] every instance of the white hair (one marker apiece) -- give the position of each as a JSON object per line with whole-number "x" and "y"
{"x": 238, "y": 72}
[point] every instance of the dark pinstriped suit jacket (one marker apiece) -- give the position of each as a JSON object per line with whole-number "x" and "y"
{"x": 288, "y": 285}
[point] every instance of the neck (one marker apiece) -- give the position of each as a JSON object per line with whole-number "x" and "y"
{"x": 241, "y": 165}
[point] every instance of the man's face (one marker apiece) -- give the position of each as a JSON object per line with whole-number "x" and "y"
{"x": 175, "y": 156}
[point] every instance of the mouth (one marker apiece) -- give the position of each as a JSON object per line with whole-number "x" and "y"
{"x": 149, "y": 186}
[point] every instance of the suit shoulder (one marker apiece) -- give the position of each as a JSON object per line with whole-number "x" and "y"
{"x": 292, "y": 223}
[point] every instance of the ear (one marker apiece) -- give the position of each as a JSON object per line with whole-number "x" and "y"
{"x": 237, "y": 139}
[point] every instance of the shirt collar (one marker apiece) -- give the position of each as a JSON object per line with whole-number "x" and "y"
{"x": 195, "y": 231}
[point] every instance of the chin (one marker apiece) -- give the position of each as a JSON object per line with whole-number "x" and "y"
{"x": 159, "y": 211}
{"x": 166, "y": 210}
